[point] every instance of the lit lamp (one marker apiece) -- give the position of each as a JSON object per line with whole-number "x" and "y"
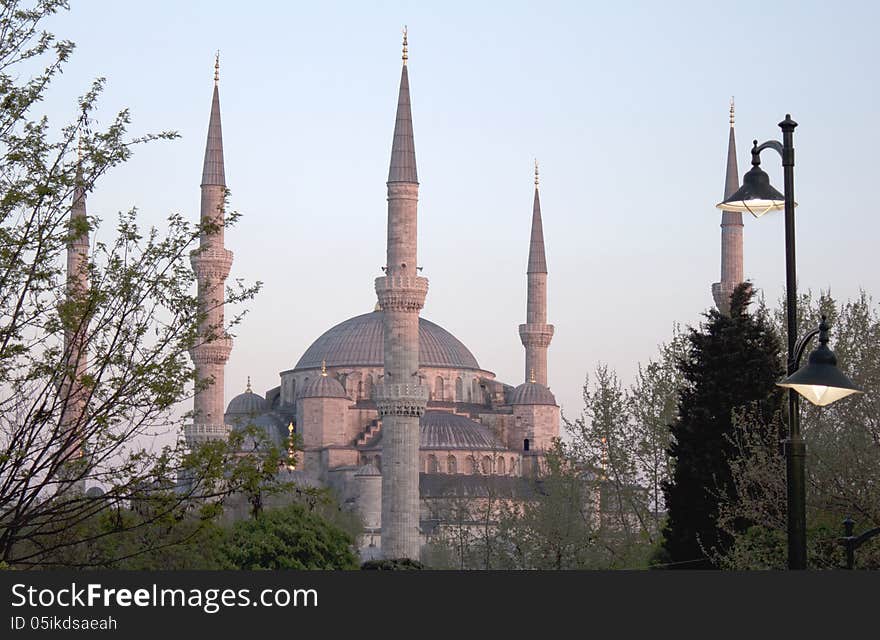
{"x": 820, "y": 381}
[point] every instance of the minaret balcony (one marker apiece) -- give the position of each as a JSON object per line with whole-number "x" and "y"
{"x": 211, "y": 264}
{"x": 400, "y": 399}
{"x": 215, "y": 351}
{"x": 536, "y": 335}
{"x": 402, "y": 293}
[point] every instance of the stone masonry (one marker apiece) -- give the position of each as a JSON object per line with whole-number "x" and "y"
{"x": 400, "y": 397}
{"x": 536, "y": 334}
{"x": 731, "y": 233}
{"x": 211, "y": 263}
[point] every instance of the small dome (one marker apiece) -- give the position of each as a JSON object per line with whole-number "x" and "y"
{"x": 247, "y": 404}
{"x": 368, "y": 470}
{"x": 324, "y": 386}
{"x": 268, "y": 423}
{"x": 532, "y": 393}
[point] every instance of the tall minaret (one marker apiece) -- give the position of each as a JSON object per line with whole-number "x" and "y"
{"x": 211, "y": 263}
{"x": 72, "y": 393}
{"x": 731, "y": 233}
{"x": 400, "y": 398}
{"x": 536, "y": 334}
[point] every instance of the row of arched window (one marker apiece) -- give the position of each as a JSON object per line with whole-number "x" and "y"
{"x": 473, "y": 393}
{"x": 485, "y": 465}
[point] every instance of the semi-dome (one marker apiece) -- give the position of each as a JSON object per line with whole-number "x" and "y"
{"x": 532, "y": 393}
{"x": 444, "y": 430}
{"x": 360, "y": 341}
{"x": 324, "y": 386}
{"x": 247, "y": 404}
{"x": 447, "y": 431}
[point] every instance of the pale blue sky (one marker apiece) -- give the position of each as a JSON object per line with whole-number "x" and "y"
{"x": 624, "y": 104}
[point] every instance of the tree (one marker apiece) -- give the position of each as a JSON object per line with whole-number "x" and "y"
{"x": 64, "y": 425}
{"x": 733, "y": 361}
{"x": 290, "y": 537}
{"x": 843, "y": 453}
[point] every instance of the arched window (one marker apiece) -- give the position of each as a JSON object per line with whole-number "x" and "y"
{"x": 459, "y": 390}
{"x": 368, "y": 387}
{"x": 513, "y": 466}
{"x": 487, "y": 465}
{"x": 433, "y": 467}
{"x": 475, "y": 385}
{"x": 472, "y": 465}
{"x": 451, "y": 465}
{"x": 526, "y": 444}
{"x": 360, "y": 395}
{"x": 438, "y": 388}
{"x": 501, "y": 466}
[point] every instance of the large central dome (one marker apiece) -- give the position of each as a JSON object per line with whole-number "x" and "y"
{"x": 359, "y": 342}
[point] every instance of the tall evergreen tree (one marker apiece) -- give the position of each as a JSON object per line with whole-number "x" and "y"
{"x": 732, "y": 361}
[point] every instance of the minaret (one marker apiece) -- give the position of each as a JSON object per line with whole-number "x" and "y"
{"x": 400, "y": 398}
{"x": 211, "y": 263}
{"x": 536, "y": 334}
{"x": 731, "y": 233}
{"x": 72, "y": 394}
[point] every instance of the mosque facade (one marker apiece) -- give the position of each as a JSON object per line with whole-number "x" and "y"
{"x": 392, "y": 410}
{"x": 385, "y": 402}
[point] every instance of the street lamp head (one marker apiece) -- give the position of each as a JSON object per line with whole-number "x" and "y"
{"x": 756, "y": 195}
{"x": 820, "y": 381}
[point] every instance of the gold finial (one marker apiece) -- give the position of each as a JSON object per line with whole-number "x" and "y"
{"x": 324, "y": 368}
{"x": 731, "y": 111}
{"x": 532, "y": 376}
{"x": 248, "y": 389}
{"x": 404, "y": 45}
{"x": 290, "y": 428}
{"x": 536, "y": 173}
{"x": 217, "y": 68}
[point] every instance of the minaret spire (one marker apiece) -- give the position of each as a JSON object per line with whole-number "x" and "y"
{"x": 731, "y": 231}
{"x": 536, "y": 334}
{"x": 403, "y": 148}
{"x": 211, "y": 263}
{"x": 72, "y": 392}
{"x": 400, "y": 397}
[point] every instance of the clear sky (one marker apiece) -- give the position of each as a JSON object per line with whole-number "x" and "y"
{"x": 624, "y": 104}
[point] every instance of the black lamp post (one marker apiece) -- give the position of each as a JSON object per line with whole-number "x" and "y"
{"x": 757, "y": 196}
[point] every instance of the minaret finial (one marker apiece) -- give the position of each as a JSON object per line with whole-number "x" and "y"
{"x": 248, "y": 389}
{"x": 404, "y": 45}
{"x": 324, "y": 368}
{"x": 731, "y": 112}
{"x": 536, "y": 173}
{"x": 217, "y": 68}
{"x": 532, "y": 376}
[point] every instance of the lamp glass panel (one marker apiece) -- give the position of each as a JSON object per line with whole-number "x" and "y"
{"x": 820, "y": 395}
{"x": 756, "y": 207}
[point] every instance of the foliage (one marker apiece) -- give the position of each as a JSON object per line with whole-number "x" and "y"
{"x": 395, "y": 564}
{"x": 134, "y": 324}
{"x": 732, "y": 362}
{"x": 291, "y": 537}
{"x": 843, "y": 453}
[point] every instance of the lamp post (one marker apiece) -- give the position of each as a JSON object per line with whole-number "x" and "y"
{"x": 757, "y": 196}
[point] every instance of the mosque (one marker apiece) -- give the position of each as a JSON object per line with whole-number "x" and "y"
{"x": 391, "y": 408}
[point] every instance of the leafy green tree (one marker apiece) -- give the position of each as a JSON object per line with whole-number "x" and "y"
{"x": 733, "y": 361}
{"x": 135, "y": 323}
{"x": 290, "y": 537}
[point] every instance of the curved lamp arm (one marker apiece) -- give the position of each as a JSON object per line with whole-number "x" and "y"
{"x": 799, "y": 348}
{"x": 770, "y": 144}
